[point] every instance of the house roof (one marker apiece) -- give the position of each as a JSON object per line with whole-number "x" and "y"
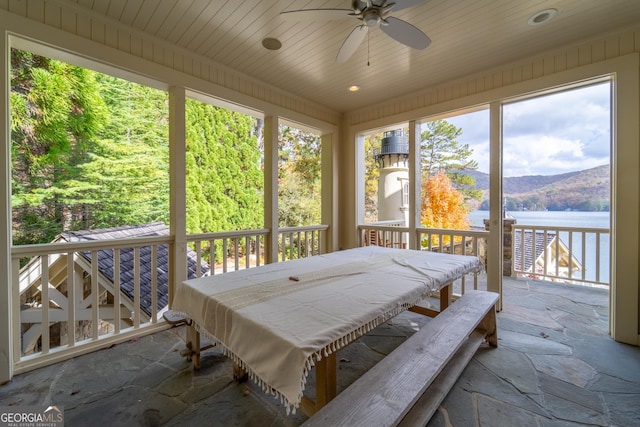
{"x": 540, "y": 245}
{"x": 106, "y": 262}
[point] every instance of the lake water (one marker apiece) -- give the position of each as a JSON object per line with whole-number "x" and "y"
{"x": 555, "y": 218}
{"x": 568, "y": 219}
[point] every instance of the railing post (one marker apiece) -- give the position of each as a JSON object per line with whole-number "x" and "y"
{"x": 507, "y": 245}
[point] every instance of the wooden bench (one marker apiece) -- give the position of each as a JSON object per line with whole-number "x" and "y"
{"x": 406, "y": 387}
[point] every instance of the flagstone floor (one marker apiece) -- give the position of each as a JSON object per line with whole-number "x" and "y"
{"x": 555, "y": 366}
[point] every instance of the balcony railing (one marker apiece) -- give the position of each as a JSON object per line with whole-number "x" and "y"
{"x": 232, "y": 250}
{"x": 78, "y": 291}
{"x": 578, "y": 255}
{"x": 94, "y": 294}
{"x": 301, "y": 242}
{"x": 562, "y": 254}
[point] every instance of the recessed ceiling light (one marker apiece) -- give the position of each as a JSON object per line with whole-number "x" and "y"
{"x": 271, "y": 43}
{"x": 354, "y": 88}
{"x": 542, "y": 17}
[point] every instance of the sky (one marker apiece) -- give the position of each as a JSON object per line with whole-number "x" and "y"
{"x": 548, "y": 135}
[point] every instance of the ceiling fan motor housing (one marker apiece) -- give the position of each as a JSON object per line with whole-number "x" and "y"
{"x": 371, "y": 17}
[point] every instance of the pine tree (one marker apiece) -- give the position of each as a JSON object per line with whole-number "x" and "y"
{"x": 441, "y": 151}
{"x": 57, "y": 112}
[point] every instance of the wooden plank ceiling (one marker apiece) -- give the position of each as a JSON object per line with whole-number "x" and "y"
{"x": 467, "y": 37}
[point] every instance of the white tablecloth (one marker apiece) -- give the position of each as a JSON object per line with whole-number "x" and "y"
{"x": 277, "y": 320}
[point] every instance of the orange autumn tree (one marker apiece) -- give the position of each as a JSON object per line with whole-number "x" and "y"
{"x": 443, "y": 207}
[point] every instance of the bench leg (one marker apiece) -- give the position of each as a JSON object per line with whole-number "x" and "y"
{"x": 488, "y": 324}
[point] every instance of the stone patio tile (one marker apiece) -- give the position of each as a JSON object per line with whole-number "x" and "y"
{"x": 477, "y": 379}
{"x": 495, "y": 413}
{"x": 531, "y": 344}
{"x": 511, "y": 366}
{"x": 131, "y": 406}
{"x": 624, "y": 409}
{"x": 566, "y": 368}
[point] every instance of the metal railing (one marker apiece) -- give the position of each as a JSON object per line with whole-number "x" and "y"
{"x": 562, "y": 254}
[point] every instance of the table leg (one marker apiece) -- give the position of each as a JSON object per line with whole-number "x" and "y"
{"x": 326, "y": 385}
{"x": 445, "y": 296}
{"x": 239, "y": 374}
{"x": 193, "y": 346}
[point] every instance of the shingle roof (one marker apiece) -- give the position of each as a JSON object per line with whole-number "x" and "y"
{"x": 106, "y": 267}
{"x": 528, "y": 247}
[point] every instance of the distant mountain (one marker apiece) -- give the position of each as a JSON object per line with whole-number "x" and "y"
{"x": 586, "y": 190}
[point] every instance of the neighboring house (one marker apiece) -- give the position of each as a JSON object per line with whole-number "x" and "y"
{"x": 31, "y": 291}
{"x": 532, "y": 261}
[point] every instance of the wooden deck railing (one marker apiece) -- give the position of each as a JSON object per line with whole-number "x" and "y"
{"x": 579, "y": 255}
{"x": 84, "y": 309}
{"x": 229, "y": 250}
{"x": 100, "y": 293}
{"x": 301, "y": 242}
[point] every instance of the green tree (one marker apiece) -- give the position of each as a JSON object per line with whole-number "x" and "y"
{"x": 57, "y": 112}
{"x": 440, "y": 150}
{"x": 225, "y": 184}
{"x": 299, "y": 178}
{"x": 127, "y": 172}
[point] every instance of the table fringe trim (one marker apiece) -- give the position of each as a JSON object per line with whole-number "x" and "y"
{"x": 291, "y": 407}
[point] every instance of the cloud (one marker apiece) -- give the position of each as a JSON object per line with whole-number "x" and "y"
{"x": 558, "y": 133}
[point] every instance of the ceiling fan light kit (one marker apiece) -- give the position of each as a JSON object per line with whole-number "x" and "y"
{"x": 372, "y": 14}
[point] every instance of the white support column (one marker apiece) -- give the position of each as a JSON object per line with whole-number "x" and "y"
{"x": 625, "y": 205}
{"x": 415, "y": 184}
{"x": 271, "y": 187}
{"x": 494, "y": 260}
{"x": 330, "y": 194}
{"x": 177, "y": 189}
{"x": 6, "y": 342}
{"x": 352, "y": 199}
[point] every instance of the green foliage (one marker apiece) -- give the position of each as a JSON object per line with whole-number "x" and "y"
{"x": 58, "y": 112}
{"x": 127, "y": 171}
{"x": 88, "y": 150}
{"x": 299, "y": 176}
{"x": 225, "y": 184}
{"x": 91, "y": 151}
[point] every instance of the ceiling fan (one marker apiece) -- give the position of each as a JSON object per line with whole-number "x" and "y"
{"x": 371, "y": 13}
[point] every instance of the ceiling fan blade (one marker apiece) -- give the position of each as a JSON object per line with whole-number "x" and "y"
{"x": 352, "y": 42}
{"x": 403, "y": 4}
{"x": 316, "y": 14}
{"x": 405, "y": 33}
